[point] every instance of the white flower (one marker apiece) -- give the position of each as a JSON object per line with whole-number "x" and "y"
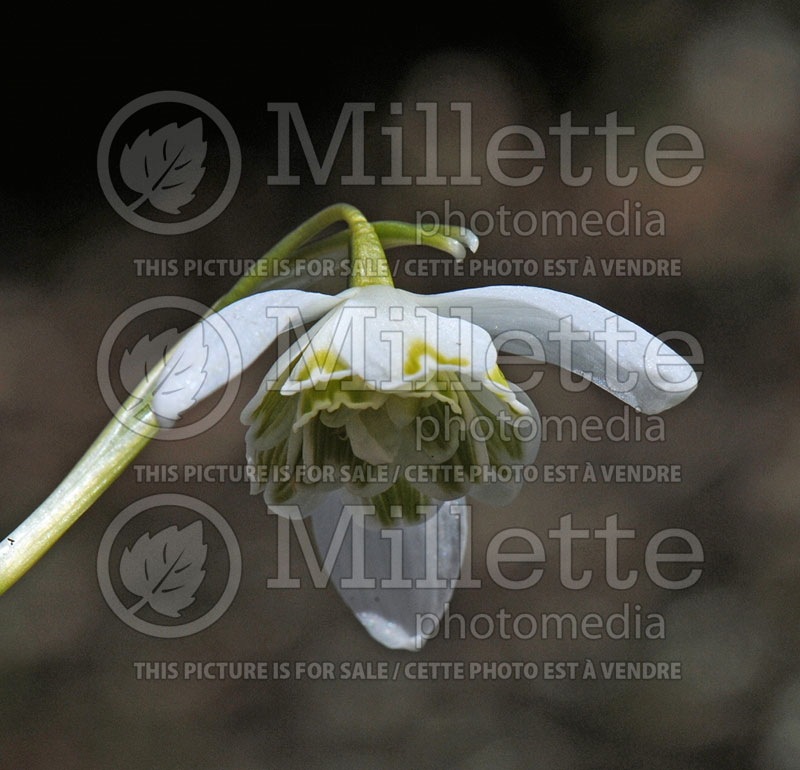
{"x": 353, "y": 393}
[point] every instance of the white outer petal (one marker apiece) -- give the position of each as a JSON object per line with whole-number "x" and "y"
{"x": 373, "y": 331}
{"x": 659, "y": 384}
{"x": 391, "y": 615}
{"x": 234, "y": 338}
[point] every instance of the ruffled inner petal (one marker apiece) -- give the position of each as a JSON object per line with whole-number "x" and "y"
{"x": 441, "y": 435}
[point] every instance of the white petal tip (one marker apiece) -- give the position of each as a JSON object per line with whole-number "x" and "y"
{"x": 457, "y": 251}
{"x": 469, "y": 239}
{"x": 390, "y": 634}
{"x": 671, "y": 383}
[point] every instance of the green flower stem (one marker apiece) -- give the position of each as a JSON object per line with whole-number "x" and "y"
{"x": 451, "y": 240}
{"x": 134, "y": 424}
{"x": 251, "y": 283}
{"x": 368, "y": 262}
{"x": 105, "y": 459}
{"x": 125, "y": 435}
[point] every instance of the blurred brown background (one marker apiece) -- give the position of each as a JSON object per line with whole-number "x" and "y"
{"x": 70, "y": 697}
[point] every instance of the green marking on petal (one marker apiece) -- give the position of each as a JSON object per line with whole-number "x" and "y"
{"x": 419, "y": 349}
{"x": 497, "y": 377}
{"x": 344, "y": 425}
{"x": 504, "y": 390}
{"x": 401, "y": 499}
{"x": 318, "y": 362}
{"x": 335, "y": 395}
{"x": 272, "y": 419}
{"x": 443, "y": 389}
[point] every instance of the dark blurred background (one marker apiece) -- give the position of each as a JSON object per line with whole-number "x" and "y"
{"x": 70, "y": 697}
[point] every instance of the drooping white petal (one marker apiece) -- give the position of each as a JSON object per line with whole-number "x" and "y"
{"x": 581, "y": 336}
{"x": 230, "y": 341}
{"x": 423, "y": 573}
{"x": 380, "y": 336}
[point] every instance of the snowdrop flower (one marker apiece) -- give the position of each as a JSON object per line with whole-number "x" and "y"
{"x": 372, "y": 366}
{"x": 383, "y": 391}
